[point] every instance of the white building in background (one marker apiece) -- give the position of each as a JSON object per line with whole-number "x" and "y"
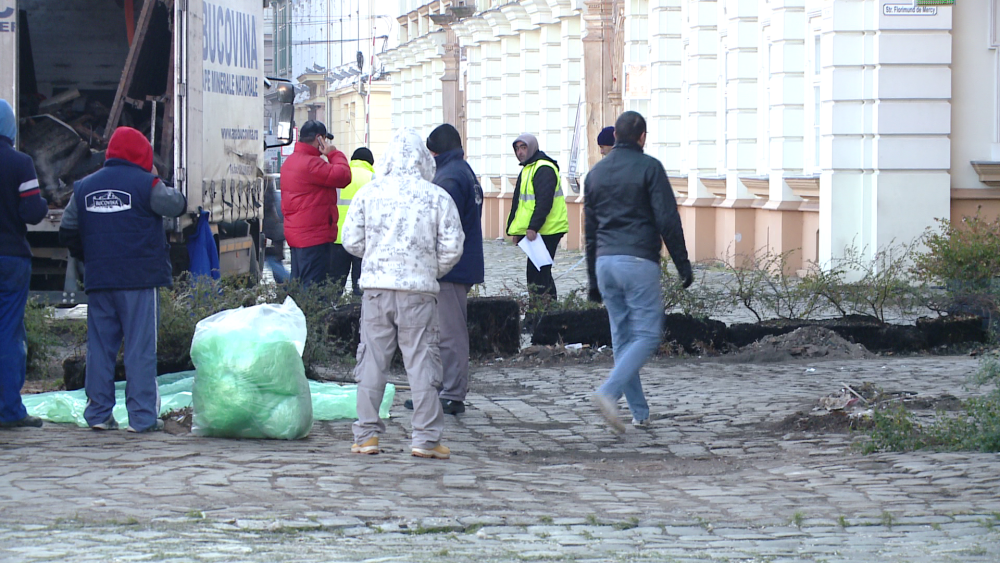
{"x": 785, "y": 125}
{"x": 317, "y": 45}
{"x": 326, "y": 34}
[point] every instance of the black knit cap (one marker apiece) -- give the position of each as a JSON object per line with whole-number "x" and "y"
{"x": 362, "y": 153}
{"x": 444, "y": 138}
{"x": 606, "y": 138}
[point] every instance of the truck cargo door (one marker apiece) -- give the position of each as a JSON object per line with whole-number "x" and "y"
{"x": 8, "y": 52}
{"x": 223, "y": 110}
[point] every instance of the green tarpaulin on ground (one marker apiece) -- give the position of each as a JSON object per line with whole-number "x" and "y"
{"x": 330, "y": 401}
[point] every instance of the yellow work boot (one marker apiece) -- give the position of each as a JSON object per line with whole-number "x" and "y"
{"x": 369, "y": 447}
{"x": 439, "y": 451}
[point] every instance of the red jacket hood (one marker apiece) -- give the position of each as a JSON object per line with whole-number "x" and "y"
{"x": 129, "y": 144}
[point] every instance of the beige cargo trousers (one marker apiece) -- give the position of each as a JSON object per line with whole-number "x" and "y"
{"x": 409, "y": 320}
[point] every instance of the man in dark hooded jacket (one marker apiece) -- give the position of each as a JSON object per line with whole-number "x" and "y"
{"x": 115, "y": 218}
{"x": 538, "y": 209}
{"x": 21, "y": 204}
{"x": 457, "y": 178}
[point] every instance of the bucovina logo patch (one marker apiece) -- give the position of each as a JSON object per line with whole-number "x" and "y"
{"x": 109, "y": 201}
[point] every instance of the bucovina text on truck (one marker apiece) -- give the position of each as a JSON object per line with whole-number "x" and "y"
{"x": 230, "y": 39}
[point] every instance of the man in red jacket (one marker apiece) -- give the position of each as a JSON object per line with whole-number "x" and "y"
{"x": 309, "y": 187}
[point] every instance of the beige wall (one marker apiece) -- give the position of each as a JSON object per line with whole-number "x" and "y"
{"x": 347, "y": 119}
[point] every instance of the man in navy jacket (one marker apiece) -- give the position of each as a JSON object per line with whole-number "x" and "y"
{"x": 21, "y": 203}
{"x": 457, "y": 178}
{"x": 116, "y": 218}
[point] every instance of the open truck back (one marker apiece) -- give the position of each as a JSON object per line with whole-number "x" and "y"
{"x": 188, "y": 74}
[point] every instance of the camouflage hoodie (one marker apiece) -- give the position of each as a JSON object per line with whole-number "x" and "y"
{"x": 407, "y": 229}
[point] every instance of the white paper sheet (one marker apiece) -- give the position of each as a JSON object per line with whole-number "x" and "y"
{"x": 536, "y": 251}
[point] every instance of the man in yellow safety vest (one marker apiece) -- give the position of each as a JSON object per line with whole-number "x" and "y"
{"x": 344, "y": 264}
{"x": 538, "y": 209}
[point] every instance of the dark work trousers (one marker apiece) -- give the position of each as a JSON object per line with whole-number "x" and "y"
{"x": 344, "y": 264}
{"x": 113, "y": 315}
{"x": 453, "y": 322}
{"x": 540, "y": 282}
{"x": 15, "y": 275}
{"x": 313, "y": 264}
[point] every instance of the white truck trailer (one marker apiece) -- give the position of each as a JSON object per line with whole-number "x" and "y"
{"x": 188, "y": 73}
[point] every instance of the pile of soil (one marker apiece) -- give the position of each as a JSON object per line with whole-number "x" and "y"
{"x": 833, "y": 415}
{"x": 540, "y": 355}
{"x": 808, "y": 342}
{"x": 826, "y": 422}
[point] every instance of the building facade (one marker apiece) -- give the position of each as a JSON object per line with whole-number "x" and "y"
{"x": 801, "y": 126}
{"x": 327, "y": 49}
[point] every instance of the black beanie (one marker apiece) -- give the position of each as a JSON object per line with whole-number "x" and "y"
{"x": 444, "y": 138}
{"x": 362, "y": 153}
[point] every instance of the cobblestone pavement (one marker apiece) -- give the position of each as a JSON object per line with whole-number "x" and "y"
{"x": 535, "y": 476}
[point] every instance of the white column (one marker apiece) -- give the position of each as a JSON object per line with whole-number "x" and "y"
{"x": 391, "y": 62}
{"x": 410, "y": 85}
{"x": 510, "y": 86}
{"x": 571, "y": 49}
{"x": 702, "y": 75}
{"x": 845, "y": 147}
{"x": 912, "y": 123}
{"x": 431, "y": 112}
{"x": 474, "y": 107}
{"x": 741, "y": 95}
{"x": 475, "y": 98}
{"x": 531, "y": 86}
{"x": 787, "y": 91}
{"x": 550, "y": 79}
{"x": 664, "y": 119}
{"x": 637, "y": 48}
{"x": 492, "y": 108}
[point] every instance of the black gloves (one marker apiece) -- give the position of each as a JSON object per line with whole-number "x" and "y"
{"x": 594, "y": 295}
{"x": 687, "y": 276}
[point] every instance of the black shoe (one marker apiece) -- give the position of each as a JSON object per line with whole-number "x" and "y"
{"x": 452, "y": 407}
{"x": 28, "y": 421}
{"x": 447, "y": 405}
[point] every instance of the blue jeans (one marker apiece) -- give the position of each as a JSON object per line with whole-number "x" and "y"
{"x": 15, "y": 275}
{"x": 630, "y": 287}
{"x": 278, "y": 270}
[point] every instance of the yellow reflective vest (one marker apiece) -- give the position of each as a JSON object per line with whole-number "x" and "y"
{"x": 361, "y": 174}
{"x": 558, "y": 219}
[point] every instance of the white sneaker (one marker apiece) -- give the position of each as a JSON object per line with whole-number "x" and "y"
{"x": 609, "y": 410}
{"x": 157, "y": 426}
{"x": 640, "y": 423}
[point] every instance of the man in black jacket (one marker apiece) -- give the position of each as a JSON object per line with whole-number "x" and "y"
{"x": 538, "y": 209}
{"x": 274, "y": 231}
{"x": 629, "y": 207}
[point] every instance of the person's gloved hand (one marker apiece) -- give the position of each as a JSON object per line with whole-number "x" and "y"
{"x": 687, "y": 276}
{"x": 594, "y": 295}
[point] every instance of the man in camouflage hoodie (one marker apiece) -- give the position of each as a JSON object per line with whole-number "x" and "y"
{"x": 409, "y": 234}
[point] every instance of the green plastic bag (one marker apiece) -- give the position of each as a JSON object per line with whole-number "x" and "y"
{"x": 250, "y": 381}
{"x": 68, "y": 406}
{"x": 330, "y": 401}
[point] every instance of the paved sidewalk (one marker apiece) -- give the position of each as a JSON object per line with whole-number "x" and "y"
{"x": 535, "y": 476}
